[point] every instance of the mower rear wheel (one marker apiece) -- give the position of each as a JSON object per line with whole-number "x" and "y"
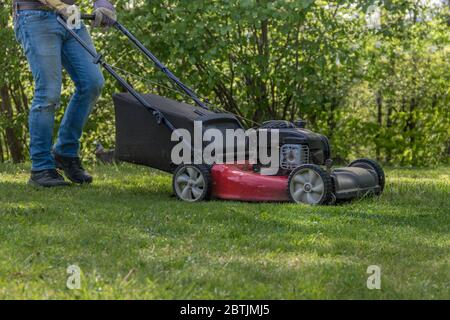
{"x": 371, "y": 165}
{"x": 310, "y": 184}
{"x": 192, "y": 183}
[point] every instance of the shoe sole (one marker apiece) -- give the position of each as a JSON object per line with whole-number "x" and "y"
{"x": 77, "y": 182}
{"x": 34, "y": 184}
{"x": 74, "y": 181}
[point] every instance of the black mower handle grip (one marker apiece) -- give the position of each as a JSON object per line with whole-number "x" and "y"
{"x": 85, "y": 16}
{"x": 91, "y": 17}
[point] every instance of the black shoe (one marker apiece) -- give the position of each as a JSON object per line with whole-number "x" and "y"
{"x": 73, "y": 169}
{"x": 47, "y": 178}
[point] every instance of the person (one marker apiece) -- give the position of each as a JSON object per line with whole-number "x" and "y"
{"x": 48, "y": 48}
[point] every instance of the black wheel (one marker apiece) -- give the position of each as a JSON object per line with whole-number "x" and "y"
{"x": 310, "y": 184}
{"x": 192, "y": 183}
{"x": 371, "y": 165}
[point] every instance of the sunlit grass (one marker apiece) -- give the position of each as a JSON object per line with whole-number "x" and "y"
{"x": 131, "y": 239}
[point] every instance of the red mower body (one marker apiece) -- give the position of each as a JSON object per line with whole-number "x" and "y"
{"x": 240, "y": 182}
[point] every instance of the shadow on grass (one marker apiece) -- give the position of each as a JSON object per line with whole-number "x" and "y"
{"x": 151, "y": 207}
{"x": 406, "y": 210}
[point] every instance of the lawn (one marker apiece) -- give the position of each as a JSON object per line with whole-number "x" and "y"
{"x": 132, "y": 239}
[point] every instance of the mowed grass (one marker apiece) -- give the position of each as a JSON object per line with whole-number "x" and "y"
{"x": 132, "y": 240}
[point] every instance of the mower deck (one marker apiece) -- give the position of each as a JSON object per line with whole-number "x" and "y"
{"x": 240, "y": 182}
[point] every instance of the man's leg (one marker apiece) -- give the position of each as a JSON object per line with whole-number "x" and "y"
{"x": 89, "y": 82}
{"x": 41, "y": 39}
{"x": 42, "y": 43}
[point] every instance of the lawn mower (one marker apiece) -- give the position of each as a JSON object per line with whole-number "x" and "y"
{"x": 145, "y": 123}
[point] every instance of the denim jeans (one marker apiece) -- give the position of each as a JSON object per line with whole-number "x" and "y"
{"x": 48, "y": 48}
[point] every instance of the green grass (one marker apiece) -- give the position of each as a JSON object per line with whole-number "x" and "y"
{"x": 127, "y": 223}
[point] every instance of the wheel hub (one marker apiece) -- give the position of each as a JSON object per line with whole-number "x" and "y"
{"x": 189, "y": 184}
{"x": 307, "y": 187}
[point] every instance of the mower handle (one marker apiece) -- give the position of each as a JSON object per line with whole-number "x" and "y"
{"x": 154, "y": 59}
{"x": 85, "y": 16}
{"x": 98, "y": 59}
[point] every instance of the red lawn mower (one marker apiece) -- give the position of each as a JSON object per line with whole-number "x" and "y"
{"x": 145, "y": 122}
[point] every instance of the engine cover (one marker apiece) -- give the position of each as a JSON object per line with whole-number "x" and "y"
{"x": 317, "y": 145}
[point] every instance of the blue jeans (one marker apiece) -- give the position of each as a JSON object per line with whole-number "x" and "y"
{"x": 48, "y": 48}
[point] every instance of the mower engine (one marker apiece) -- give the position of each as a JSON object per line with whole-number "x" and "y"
{"x": 305, "y": 159}
{"x": 297, "y": 145}
{"x": 293, "y": 155}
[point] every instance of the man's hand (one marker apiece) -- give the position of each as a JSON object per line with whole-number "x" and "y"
{"x": 105, "y": 14}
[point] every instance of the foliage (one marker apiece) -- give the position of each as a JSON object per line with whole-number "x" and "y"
{"x": 380, "y": 91}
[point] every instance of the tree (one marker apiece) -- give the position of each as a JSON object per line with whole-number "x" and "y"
{"x": 378, "y": 89}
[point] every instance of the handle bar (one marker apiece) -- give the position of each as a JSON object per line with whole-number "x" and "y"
{"x": 85, "y": 16}
{"x": 98, "y": 59}
{"x": 154, "y": 59}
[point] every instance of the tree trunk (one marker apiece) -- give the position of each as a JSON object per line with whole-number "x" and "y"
{"x": 389, "y": 126}
{"x": 2, "y": 156}
{"x": 12, "y": 141}
{"x": 379, "y": 101}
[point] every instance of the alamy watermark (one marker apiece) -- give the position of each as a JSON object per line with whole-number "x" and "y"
{"x": 374, "y": 280}
{"x": 73, "y": 15}
{"x": 74, "y": 278}
{"x": 373, "y": 17}
{"x": 213, "y": 146}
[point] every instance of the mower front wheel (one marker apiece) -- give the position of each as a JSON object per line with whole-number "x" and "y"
{"x": 192, "y": 183}
{"x": 310, "y": 184}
